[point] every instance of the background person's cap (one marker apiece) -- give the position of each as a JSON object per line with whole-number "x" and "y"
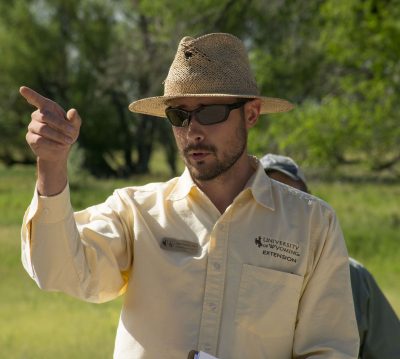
{"x": 284, "y": 165}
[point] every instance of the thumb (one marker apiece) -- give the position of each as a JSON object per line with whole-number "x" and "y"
{"x": 74, "y": 118}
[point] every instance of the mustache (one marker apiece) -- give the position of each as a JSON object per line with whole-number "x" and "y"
{"x": 199, "y": 148}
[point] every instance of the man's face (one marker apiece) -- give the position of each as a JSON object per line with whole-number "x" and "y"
{"x": 211, "y": 150}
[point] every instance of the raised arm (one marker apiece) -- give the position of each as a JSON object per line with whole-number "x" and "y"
{"x": 51, "y": 133}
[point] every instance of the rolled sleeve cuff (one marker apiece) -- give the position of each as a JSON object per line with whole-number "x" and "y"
{"x": 49, "y": 209}
{"x": 42, "y": 210}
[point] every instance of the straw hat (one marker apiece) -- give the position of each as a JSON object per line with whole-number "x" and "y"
{"x": 211, "y": 65}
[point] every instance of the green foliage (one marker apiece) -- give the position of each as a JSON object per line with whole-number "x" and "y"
{"x": 362, "y": 49}
{"x": 316, "y": 134}
{"x": 338, "y": 60}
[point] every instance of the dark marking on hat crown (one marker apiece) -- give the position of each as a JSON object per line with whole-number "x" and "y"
{"x": 188, "y": 54}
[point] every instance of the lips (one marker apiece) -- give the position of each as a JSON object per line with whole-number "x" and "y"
{"x": 190, "y": 149}
{"x": 199, "y": 152}
{"x": 198, "y": 155}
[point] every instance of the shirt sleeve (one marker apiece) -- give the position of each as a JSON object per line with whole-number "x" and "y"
{"x": 326, "y": 326}
{"x": 86, "y": 254}
{"x": 381, "y": 339}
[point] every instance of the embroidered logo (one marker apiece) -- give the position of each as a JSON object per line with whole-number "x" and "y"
{"x": 278, "y": 249}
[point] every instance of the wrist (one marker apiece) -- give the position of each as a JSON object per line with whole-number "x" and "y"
{"x": 51, "y": 176}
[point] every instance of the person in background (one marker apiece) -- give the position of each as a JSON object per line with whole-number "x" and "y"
{"x": 378, "y": 324}
{"x": 214, "y": 260}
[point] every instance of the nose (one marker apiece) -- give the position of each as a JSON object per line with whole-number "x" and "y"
{"x": 195, "y": 131}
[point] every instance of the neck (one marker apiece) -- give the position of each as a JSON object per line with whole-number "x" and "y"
{"x": 223, "y": 189}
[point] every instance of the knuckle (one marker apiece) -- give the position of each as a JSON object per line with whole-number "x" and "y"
{"x": 38, "y": 116}
{"x": 41, "y": 127}
{"x": 67, "y": 128}
{"x": 45, "y": 112}
{"x": 36, "y": 127}
{"x": 34, "y": 142}
{"x": 59, "y": 137}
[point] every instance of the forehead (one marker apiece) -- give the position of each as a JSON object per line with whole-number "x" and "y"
{"x": 193, "y": 102}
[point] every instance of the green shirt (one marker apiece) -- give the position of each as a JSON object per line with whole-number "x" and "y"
{"x": 378, "y": 324}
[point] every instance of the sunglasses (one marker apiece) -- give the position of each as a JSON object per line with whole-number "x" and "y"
{"x": 205, "y": 115}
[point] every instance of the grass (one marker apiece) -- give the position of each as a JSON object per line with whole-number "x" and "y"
{"x": 42, "y": 325}
{"x": 35, "y": 324}
{"x": 369, "y": 214}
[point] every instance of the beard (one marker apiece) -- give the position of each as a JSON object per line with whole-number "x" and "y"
{"x": 201, "y": 171}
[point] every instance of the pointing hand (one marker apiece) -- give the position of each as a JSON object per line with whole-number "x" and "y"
{"x": 51, "y": 131}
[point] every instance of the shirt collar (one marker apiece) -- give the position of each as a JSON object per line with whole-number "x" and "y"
{"x": 259, "y": 185}
{"x": 182, "y": 187}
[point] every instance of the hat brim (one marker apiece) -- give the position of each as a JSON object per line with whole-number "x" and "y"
{"x": 155, "y": 106}
{"x": 281, "y": 170}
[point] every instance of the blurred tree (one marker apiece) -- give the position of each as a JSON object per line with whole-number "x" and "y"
{"x": 360, "y": 39}
{"x": 96, "y": 56}
{"x": 43, "y": 46}
{"x": 338, "y": 60}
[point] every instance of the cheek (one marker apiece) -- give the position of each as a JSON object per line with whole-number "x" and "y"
{"x": 179, "y": 137}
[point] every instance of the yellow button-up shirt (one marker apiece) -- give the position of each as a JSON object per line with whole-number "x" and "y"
{"x": 267, "y": 279}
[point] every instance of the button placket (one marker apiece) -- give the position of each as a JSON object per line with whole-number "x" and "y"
{"x": 214, "y": 289}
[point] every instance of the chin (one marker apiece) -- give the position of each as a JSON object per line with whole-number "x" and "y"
{"x": 204, "y": 175}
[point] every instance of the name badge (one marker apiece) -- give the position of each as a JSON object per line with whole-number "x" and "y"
{"x": 179, "y": 245}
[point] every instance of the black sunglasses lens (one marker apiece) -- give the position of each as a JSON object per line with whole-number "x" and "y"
{"x": 205, "y": 115}
{"x": 177, "y": 117}
{"x": 209, "y": 115}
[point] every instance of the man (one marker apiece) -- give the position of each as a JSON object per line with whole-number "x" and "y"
{"x": 192, "y": 256}
{"x": 378, "y": 325}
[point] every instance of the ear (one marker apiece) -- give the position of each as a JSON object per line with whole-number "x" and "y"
{"x": 252, "y": 112}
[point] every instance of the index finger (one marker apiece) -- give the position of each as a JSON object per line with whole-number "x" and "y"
{"x": 41, "y": 102}
{"x": 33, "y": 97}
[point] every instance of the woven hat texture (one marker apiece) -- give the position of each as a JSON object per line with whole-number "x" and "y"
{"x": 215, "y": 64}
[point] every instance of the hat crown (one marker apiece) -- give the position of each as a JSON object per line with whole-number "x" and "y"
{"x": 213, "y": 63}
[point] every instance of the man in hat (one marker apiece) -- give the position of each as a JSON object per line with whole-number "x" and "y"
{"x": 378, "y": 325}
{"x": 220, "y": 260}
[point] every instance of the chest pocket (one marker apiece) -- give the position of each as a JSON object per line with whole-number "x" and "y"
{"x": 266, "y": 312}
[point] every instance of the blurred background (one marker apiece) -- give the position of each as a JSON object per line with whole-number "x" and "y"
{"x": 337, "y": 60}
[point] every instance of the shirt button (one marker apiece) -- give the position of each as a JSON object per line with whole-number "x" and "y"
{"x": 46, "y": 211}
{"x": 212, "y": 307}
{"x": 205, "y": 348}
{"x": 217, "y": 266}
